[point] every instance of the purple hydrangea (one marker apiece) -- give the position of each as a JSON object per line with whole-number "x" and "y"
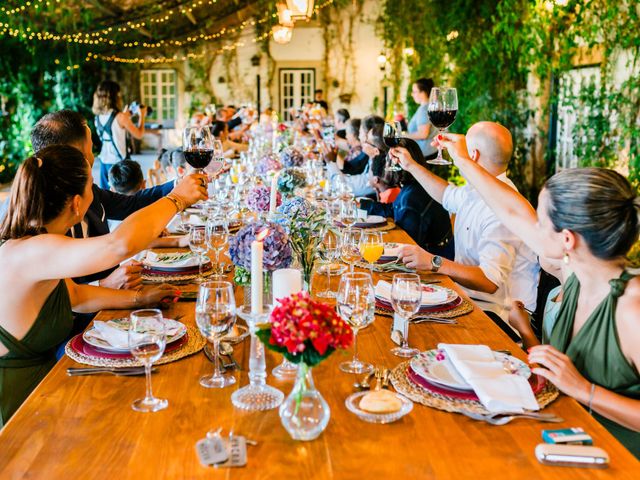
{"x": 268, "y": 163}
{"x": 259, "y": 198}
{"x": 294, "y": 205}
{"x": 277, "y": 251}
{"x": 291, "y": 157}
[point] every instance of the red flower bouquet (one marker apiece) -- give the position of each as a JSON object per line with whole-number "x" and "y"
{"x": 305, "y": 331}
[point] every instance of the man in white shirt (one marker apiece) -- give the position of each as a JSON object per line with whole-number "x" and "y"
{"x": 491, "y": 264}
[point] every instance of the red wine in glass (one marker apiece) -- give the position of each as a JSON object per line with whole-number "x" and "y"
{"x": 442, "y": 109}
{"x": 198, "y": 147}
{"x": 198, "y": 158}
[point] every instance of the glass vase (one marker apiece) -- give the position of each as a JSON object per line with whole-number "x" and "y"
{"x": 304, "y": 413}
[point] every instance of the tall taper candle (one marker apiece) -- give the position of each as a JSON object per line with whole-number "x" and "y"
{"x": 273, "y": 198}
{"x": 256, "y": 276}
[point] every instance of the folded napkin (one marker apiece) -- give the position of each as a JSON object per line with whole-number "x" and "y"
{"x": 172, "y": 260}
{"x": 114, "y": 335}
{"x": 430, "y": 296}
{"x": 497, "y": 390}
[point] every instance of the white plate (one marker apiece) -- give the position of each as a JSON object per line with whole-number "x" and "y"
{"x": 371, "y": 221}
{"x": 452, "y": 295}
{"x": 436, "y": 368}
{"x": 93, "y": 338}
{"x": 167, "y": 261}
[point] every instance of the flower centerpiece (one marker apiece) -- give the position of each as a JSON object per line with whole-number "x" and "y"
{"x": 305, "y": 236}
{"x": 290, "y": 179}
{"x": 306, "y": 332}
{"x": 291, "y": 157}
{"x": 268, "y": 163}
{"x": 276, "y": 253}
{"x": 259, "y": 199}
{"x": 296, "y": 205}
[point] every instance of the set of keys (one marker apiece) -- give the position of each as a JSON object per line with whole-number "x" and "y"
{"x": 223, "y": 452}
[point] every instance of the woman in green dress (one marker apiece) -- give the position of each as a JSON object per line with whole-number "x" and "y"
{"x": 51, "y": 193}
{"x": 588, "y": 219}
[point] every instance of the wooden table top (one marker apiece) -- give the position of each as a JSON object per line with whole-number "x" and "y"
{"x": 84, "y": 427}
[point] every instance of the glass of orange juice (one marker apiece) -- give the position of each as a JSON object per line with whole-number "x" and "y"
{"x": 371, "y": 247}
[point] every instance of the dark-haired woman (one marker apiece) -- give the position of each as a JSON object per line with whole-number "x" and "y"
{"x": 112, "y": 125}
{"x": 50, "y": 194}
{"x": 588, "y": 219}
{"x": 424, "y": 219}
{"x": 420, "y": 128}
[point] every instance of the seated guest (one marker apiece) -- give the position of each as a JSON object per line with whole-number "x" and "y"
{"x": 126, "y": 177}
{"x": 220, "y": 130}
{"x": 157, "y": 174}
{"x": 52, "y": 192}
{"x": 384, "y": 182}
{"x": 491, "y": 263}
{"x": 70, "y": 128}
{"x": 424, "y": 219}
{"x": 340, "y": 125}
{"x": 318, "y": 99}
{"x": 588, "y": 219}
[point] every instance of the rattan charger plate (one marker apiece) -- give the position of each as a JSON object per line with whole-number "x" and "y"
{"x": 462, "y": 309}
{"x": 195, "y": 343}
{"x": 419, "y": 394}
{"x": 174, "y": 278}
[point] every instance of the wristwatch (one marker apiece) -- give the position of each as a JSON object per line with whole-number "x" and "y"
{"x": 436, "y": 263}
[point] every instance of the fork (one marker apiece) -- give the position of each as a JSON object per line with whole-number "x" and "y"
{"x": 429, "y": 319}
{"x": 122, "y": 371}
{"x": 495, "y": 419}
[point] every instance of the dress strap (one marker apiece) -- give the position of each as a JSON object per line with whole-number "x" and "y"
{"x": 618, "y": 285}
{"x": 15, "y": 346}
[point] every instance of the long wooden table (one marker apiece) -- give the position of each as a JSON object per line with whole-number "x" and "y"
{"x": 84, "y": 427}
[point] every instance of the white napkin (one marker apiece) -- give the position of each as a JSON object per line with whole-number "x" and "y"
{"x": 152, "y": 260}
{"x": 119, "y": 338}
{"x": 436, "y": 297}
{"x": 392, "y": 250}
{"x": 195, "y": 220}
{"x": 497, "y": 390}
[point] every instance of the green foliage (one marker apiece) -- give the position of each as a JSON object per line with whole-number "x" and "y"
{"x": 305, "y": 241}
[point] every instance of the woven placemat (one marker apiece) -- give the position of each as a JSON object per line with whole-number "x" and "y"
{"x": 462, "y": 309}
{"x": 417, "y": 393}
{"x": 194, "y": 344}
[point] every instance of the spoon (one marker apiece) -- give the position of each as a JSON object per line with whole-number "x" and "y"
{"x": 364, "y": 384}
{"x": 226, "y": 350}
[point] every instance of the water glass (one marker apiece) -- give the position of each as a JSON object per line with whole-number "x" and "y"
{"x": 217, "y": 240}
{"x": 356, "y": 305}
{"x": 198, "y": 245}
{"x": 406, "y": 296}
{"x": 147, "y": 340}
{"x": 350, "y": 247}
{"x": 329, "y": 249}
{"x": 215, "y": 317}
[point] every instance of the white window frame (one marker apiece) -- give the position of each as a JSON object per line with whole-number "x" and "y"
{"x": 154, "y": 78}
{"x": 294, "y": 91}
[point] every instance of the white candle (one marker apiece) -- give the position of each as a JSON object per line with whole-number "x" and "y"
{"x": 256, "y": 276}
{"x": 286, "y": 282}
{"x": 273, "y": 199}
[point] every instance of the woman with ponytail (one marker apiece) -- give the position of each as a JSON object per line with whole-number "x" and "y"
{"x": 51, "y": 193}
{"x": 586, "y": 221}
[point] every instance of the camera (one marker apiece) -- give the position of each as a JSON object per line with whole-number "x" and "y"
{"x": 134, "y": 108}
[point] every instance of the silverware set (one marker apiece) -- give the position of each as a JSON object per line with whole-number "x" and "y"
{"x": 504, "y": 418}
{"x": 431, "y": 319}
{"x": 381, "y": 375}
{"x": 120, "y": 371}
{"x": 226, "y": 351}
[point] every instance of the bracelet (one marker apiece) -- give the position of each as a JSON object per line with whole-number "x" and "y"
{"x": 136, "y": 297}
{"x": 177, "y": 201}
{"x": 593, "y": 391}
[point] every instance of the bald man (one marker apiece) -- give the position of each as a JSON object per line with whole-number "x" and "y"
{"x": 491, "y": 264}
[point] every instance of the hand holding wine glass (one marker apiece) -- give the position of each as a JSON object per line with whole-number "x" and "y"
{"x": 147, "y": 340}
{"x": 442, "y": 110}
{"x": 198, "y": 147}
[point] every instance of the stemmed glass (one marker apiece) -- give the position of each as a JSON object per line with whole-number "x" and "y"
{"x": 217, "y": 239}
{"x": 348, "y": 213}
{"x": 329, "y": 248}
{"x": 371, "y": 247}
{"x": 391, "y": 138}
{"x": 198, "y": 147}
{"x": 198, "y": 245}
{"x": 147, "y": 340}
{"x": 349, "y": 247}
{"x": 215, "y": 316}
{"x": 356, "y": 305}
{"x": 442, "y": 109}
{"x": 406, "y": 294}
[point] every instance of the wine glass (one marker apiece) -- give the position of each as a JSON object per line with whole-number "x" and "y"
{"x": 197, "y": 146}
{"x": 406, "y": 294}
{"x": 371, "y": 247}
{"x": 217, "y": 239}
{"x": 391, "y": 138}
{"x": 147, "y": 340}
{"x": 356, "y": 305}
{"x": 348, "y": 213}
{"x": 215, "y": 316}
{"x": 442, "y": 109}
{"x": 198, "y": 245}
{"x": 329, "y": 248}
{"x": 349, "y": 247}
